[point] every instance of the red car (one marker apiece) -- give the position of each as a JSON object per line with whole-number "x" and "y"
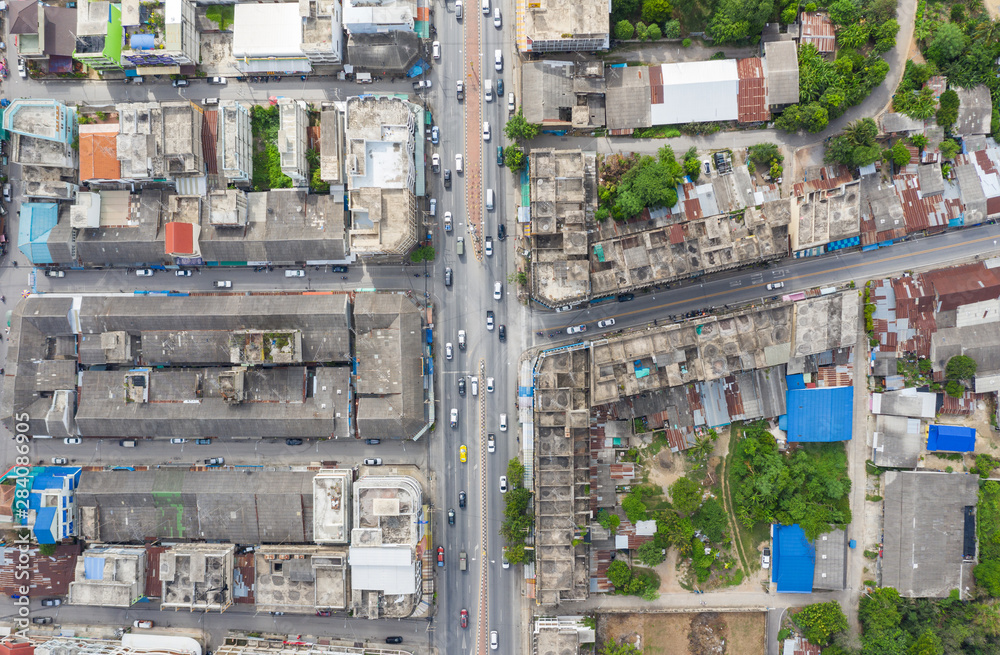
{"x": 465, "y": 618}
{"x": 323, "y": 613}
{"x": 440, "y": 555}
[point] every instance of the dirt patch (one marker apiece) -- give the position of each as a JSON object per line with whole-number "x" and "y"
{"x": 706, "y": 633}
{"x": 914, "y": 52}
{"x": 665, "y": 468}
{"x": 993, "y": 8}
{"x": 669, "y": 575}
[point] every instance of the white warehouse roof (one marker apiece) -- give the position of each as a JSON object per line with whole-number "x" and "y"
{"x": 267, "y": 30}
{"x": 389, "y": 569}
{"x": 695, "y": 91}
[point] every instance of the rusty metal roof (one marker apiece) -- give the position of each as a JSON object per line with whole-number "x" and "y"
{"x": 751, "y": 99}
{"x": 817, "y": 29}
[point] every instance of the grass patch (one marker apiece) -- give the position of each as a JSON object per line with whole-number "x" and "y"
{"x": 657, "y": 132}
{"x": 221, "y": 15}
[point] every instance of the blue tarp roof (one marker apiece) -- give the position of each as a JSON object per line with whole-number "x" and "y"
{"x": 43, "y": 525}
{"x": 952, "y": 438}
{"x": 821, "y": 414}
{"x": 793, "y": 560}
{"x": 93, "y": 568}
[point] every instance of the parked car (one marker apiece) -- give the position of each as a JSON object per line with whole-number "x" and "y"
{"x": 510, "y": 102}
{"x": 373, "y": 442}
{"x": 59, "y": 460}
{"x": 436, "y": 49}
{"x": 22, "y": 68}
{"x": 216, "y": 80}
{"x": 51, "y": 602}
{"x": 184, "y": 273}
{"x": 765, "y": 559}
{"x": 42, "y": 620}
{"x": 204, "y": 442}
{"x": 215, "y": 461}
{"x": 178, "y": 441}
{"x": 223, "y": 284}
{"x": 775, "y": 285}
{"x": 576, "y": 329}
{"x": 503, "y": 422}
{"x": 435, "y": 135}
{"x": 625, "y": 297}
{"x": 298, "y": 272}
{"x": 396, "y": 640}
{"x": 606, "y": 323}
{"x": 144, "y": 272}
{"x": 293, "y": 442}
{"x": 7, "y": 192}
{"x": 339, "y": 269}
{"x": 440, "y": 555}
{"x": 503, "y": 484}
{"x": 373, "y": 461}
{"x": 324, "y": 613}
{"x": 72, "y": 441}
{"x": 55, "y": 273}
{"x": 182, "y": 82}
{"x": 435, "y": 162}
{"x": 210, "y": 101}
{"x": 503, "y": 555}
{"x": 143, "y": 623}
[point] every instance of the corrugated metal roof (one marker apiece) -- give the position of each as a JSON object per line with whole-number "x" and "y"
{"x": 695, "y": 91}
{"x": 821, "y": 414}
{"x": 793, "y": 560}
{"x": 951, "y": 438}
{"x": 752, "y": 97}
{"x": 817, "y": 28}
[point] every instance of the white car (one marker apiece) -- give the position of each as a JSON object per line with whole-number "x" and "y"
{"x": 489, "y": 246}
{"x": 217, "y": 80}
{"x": 488, "y": 90}
{"x": 435, "y": 162}
{"x": 295, "y": 273}
{"x": 775, "y": 285}
{"x": 497, "y": 291}
{"x": 73, "y": 441}
{"x": 454, "y": 417}
{"x": 765, "y": 559}
{"x": 498, "y": 60}
{"x": 184, "y": 273}
{"x": 503, "y": 422}
{"x": 223, "y": 284}
{"x": 475, "y": 386}
{"x": 489, "y": 385}
{"x": 447, "y": 350}
{"x": 489, "y": 320}
{"x": 458, "y": 164}
{"x": 178, "y": 441}
{"x": 486, "y": 7}
{"x": 436, "y": 49}
{"x": 144, "y": 272}
{"x": 576, "y": 329}
{"x": 506, "y": 564}
{"x": 54, "y": 273}
{"x": 497, "y": 23}
{"x": 23, "y": 72}
{"x": 510, "y": 102}
{"x": 491, "y": 443}
{"x": 486, "y": 131}
{"x": 608, "y": 323}
{"x": 503, "y": 484}
{"x": 459, "y": 90}
{"x": 447, "y": 221}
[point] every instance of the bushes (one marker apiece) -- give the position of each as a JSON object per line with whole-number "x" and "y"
{"x": 672, "y": 29}
{"x": 624, "y": 30}
{"x": 820, "y": 621}
{"x": 947, "y": 113}
{"x": 518, "y": 516}
{"x": 631, "y": 581}
{"x": 646, "y": 182}
{"x": 856, "y": 145}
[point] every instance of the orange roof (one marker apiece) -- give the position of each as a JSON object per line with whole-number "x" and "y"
{"x": 99, "y": 156}
{"x": 179, "y": 238}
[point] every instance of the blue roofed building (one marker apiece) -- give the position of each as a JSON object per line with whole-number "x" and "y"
{"x": 51, "y": 502}
{"x": 793, "y": 560}
{"x": 951, "y": 438}
{"x": 820, "y": 414}
{"x": 38, "y": 219}
{"x": 50, "y": 120}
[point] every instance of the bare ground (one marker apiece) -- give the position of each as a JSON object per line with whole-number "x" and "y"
{"x": 707, "y": 633}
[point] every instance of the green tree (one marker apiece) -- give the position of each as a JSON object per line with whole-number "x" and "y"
{"x": 650, "y": 554}
{"x": 854, "y": 35}
{"x": 676, "y": 531}
{"x": 843, "y": 12}
{"x": 985, "y": 465}
{"x": 954, "y": 388}
{"x": 46, "y": 550}
{"x": 764, "y": 153}
{"x": 960, "y": 367}
{"x": 641, "y": 31}
{"x": 685, "y": 495}
{"x": 624, "y": 30}
{"x": 513, "y": 158}
{"x": 623, "y": 648}
{"x": 885, "y": 35}
{"x": 988, "y": 577}
{"x": 712, "y": 520}
{"x": 879, "y": 609}
{"x": 518, "y": 554}
{"x": 422, "y": 254}
{"x": 519, "y": 129}
{"x": 619, "y": 574}
{"x": 515, "y": 473}
{"x": 928, "y": 643}
{"x": 608, "y": 521}
{"x": 949, "y": 148}
{"x": 885, "y": 642}
{"x": 898, "y": 153}
{"x": 948, "y": 110}
{"x": 820, "y": 621}
{"x": 635, "y": 509}
{"x": 655, "y": 11}
{"x": 948, "y": 43}
{"x": 672, "y": 29}
{"x": 739, "y": 20}
{"x": 653, "y": 32}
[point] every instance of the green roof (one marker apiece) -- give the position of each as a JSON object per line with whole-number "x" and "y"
{"x": 113, "y": 44}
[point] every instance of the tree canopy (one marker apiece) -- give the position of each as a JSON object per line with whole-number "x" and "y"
{"x": 820, "y": 621}
{"x": 646, "y": 182}
{"x": 856, "y": 146}
{"x": 519, "y": 129}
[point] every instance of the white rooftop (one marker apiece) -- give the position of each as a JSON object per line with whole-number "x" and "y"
{"x": 272, "y": 29}
{"x": 389, "y": 569}
{"x": 697, "y": 91}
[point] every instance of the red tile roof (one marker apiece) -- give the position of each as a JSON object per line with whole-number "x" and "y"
{"x": 676, "y": 234}
{"x": 209, "y": 137}
{"x": 817, "y": 29}
{"x": 99, "y": 155}
{"x": 179, "y": 238}
{"x": 830, "y": 177}
{"x": 751, "y": 99}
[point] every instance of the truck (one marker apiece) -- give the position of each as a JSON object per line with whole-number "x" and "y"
{"x": 460, "y": 246}
{"x": 463, "y": 561}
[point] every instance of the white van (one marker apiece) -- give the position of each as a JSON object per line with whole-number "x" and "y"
{"x": 486, "y": 7}
{"x": 489, "y": 199}
{"x": 488, "y": 90}
{"x": 458, "y": 9}
{"x": 433, "y": 207}
{"x": 498, "y": 60}
{"x": 295, "y": 273}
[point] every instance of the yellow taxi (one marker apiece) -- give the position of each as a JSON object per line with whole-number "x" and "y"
{"x": 463, "y": 454}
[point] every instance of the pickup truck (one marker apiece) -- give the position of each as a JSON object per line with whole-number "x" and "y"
{"x": 422, "y": 84}
{"x": 463, "y": 561}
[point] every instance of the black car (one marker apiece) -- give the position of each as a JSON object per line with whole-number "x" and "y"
{"x": 373, "y": 442}
{"x": 451, "y": 517}
{"x": 625, "y": 297}
{"x": 51, "y": 602}
{"x": 204, "y": 442}
{"x": 503, "y": 332}
{"x": 461, "y": 500}
{"x": 293, "y": 442}
{"x": 501, "y": 231}
{"x": 499, "y": 87}
{"x": 42, "y": 620}
{"x": 339, "y": 269}
{"x": 393, "y": 640}
{"x": 447, "y": 178}
{"x": 461, "y": 386}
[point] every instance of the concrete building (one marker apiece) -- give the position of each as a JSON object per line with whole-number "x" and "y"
{"x": 269, "y": 645}
{"x": 331, "y": 149}
{"x": 99, "y": 155}
{"x": 160, "y": 141}
{"x": 563, "y": 93}
{"x": 44, "y": 502}
{"x": 387, "y": 543}
{"x": 974, "y": 111}
{"x": 197, "y": 577}
{"x": 99, "y": 35}
{"x": 389, "y": 368}
{"x": 130, "y": 643}
{"x": 394, "y": 52}
{"x": 827, "y": 217}
{"x": 322, "y": 31}
{"x": 48, "y": 120}
{"x": 782, "y": 62}
{"x": 301, "y": 579}
{"x": 293, "y": 142}
{"x": 332, "y": 506}
{"x": 267, "y": 38}
{"x": 160, "y": 37}
{"x": 561, "y": 635}
{"x": 377, "y": 16}
{"x": 235, "y": 143}
{"x": 109, "y": 576}
{"x": 562, "y": 26}
{"x": 219, "y": 505}
{"x": 210, "y": 366}
{"x": 383, "y": 142}
{"x": 930, "y": 533}
{"x": 43, "y": 34}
